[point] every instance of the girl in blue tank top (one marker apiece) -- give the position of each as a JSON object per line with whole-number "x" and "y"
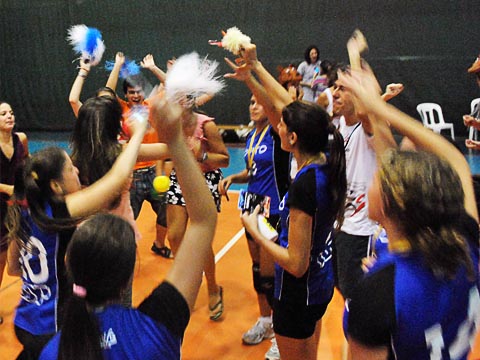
{"x": 422, "y": 300}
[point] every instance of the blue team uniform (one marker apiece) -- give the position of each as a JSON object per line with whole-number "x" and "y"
{"x": 43, "y": 275}
{"x": 153, "y": 331}
{"x": 309, "y": 193}
{"x": 402, "y": 305}
{"x": 270, "y": 174}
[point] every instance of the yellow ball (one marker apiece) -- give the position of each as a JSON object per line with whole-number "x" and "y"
{"x": 161, "y": 183}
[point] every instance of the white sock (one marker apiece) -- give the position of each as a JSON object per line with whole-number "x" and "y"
{"x": 265, "y": 320}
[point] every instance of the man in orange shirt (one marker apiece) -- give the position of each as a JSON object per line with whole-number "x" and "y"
{"x": 144, "y": 171}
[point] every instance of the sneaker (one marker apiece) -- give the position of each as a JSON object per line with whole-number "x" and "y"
{"x": 257, "y": 334}
{"x": 273, "y": 353}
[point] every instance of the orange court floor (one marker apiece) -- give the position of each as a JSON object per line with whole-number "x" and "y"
{"x": 204, "y": 339}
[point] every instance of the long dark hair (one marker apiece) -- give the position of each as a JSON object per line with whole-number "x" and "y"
{"x": 306, "y": 54}
{"x": 33, "y": 185}
{"x": 424, "y": 196}
{"x": 312, "y": 125}
{"x": 100, "y": 259}
{"x": 94, "y": 140}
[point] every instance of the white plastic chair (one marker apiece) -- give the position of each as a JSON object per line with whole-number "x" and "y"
{"x": 472, "y": 132}
{"x": 437, "y": 124}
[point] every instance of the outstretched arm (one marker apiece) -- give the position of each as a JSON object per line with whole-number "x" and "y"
{"x": 113, "y": 77}
{"x": 243, "y": 73}
{"x": 278, "y": 95}
{"x": 149, "y": 63}
{"x": 391, "y": 91}
{"x": 101, "y": 193}
{"x": 74, "y": 97}
{"x": 362, "y": 85}
{"x": 186, "y": 272}
{"x": 383, "y": 138}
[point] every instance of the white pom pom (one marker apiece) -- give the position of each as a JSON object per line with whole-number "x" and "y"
{"x": 190, "y": 77}
{"x": 234, "y": 39}
{"x": 87, "y": 42}
{"x": 98, "y": 52}
{"x": 76, "y": 37}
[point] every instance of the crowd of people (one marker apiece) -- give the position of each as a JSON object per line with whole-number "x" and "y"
{"x": 323, "y": 170}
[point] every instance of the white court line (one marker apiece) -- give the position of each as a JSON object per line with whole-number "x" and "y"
{"x": 229, "y": 245}
{"x": 232, "y": 241}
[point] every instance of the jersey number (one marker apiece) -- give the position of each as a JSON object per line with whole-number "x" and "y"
{"x": 465, "y": 335}
{"x": 37, "y": 247}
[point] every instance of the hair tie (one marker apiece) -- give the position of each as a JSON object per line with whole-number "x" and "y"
{"x": 34, "y": 175}
{"x": 79, "y": 291}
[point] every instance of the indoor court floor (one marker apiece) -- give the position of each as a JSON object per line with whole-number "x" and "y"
{"x": 204, "y": 339}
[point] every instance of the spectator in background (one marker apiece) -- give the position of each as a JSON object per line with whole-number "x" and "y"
{"x": 308, "y": 69}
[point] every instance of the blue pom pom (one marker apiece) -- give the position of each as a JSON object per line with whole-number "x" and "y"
{"x": 91, "y": 40}
{"x": 109, "y": 65}
{"x": 129, "y": 68}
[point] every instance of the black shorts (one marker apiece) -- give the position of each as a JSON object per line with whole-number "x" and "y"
{"x": 349, "y": 250}
{"x": 297, "y": 321}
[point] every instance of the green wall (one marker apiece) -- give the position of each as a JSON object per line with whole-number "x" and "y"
{"x": 427, "y": 45}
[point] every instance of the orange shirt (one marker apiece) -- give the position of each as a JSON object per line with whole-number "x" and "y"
{"x": 150, "y": 137}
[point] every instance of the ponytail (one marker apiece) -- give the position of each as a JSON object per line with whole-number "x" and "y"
{"x": 80, "y": 336}
{"x": 337, "y": 175}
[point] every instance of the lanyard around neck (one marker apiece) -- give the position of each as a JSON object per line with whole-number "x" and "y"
{"x": 250, "y": 152}
{"x": 347, "y": 140}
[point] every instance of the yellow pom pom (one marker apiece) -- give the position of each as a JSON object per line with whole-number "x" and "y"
{"x": 161, "y": 183}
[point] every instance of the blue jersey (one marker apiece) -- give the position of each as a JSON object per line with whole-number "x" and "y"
{"x": 309, "y": 193}
{"x": 153, "y": 331}
{"x": 269, "y": 173}
{"x": 402, "y": 305}
{"x": 42, "y": 274}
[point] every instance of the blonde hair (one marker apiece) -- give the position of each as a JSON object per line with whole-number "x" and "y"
{"x": 424, "y": 196}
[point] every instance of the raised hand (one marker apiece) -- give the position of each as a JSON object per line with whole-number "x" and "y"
{"x": 241, "y": 72}
{"x": 363, "y": 85}
{"x": 392, "y": 90}
{"x": 85, "y": 64}
{"x": 356, "y": 45}
{"x": 119, "y": 58}
{"x": 167, "y": 118}
{"x": 148, "y": 62}
{"x": 136, "y": 122}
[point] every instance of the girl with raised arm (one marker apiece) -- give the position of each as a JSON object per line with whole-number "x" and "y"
{"x": 422, "y": 301}
{"x": 100, "y": 262}
{"x": 314, "y": 201}
{"x": 41, "y": 227}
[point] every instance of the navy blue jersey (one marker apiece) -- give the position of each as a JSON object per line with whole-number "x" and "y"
{"x": 269, "y": 173}
{"x": 153, "y": 331}
{"x": 43, "y": 274}
{"x": 309, "y": 194}
{"x": 402, "y": 305}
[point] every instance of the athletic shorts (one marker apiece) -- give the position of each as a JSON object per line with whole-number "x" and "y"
{"x": 297, "y": 321}
{"x": 349, "y": 250}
